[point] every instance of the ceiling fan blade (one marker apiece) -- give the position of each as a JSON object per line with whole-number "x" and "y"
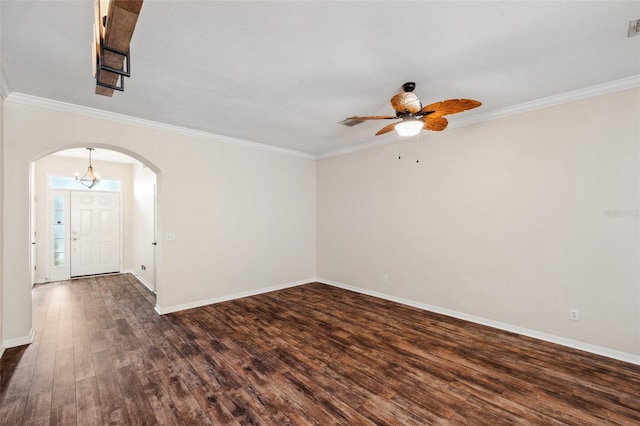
{"x": 373, "y": 117}
{"x": 387, "y": 128}
{"x": 450, "y": 106}
{"x": 435, "y": 123}
{"x": 406, "y": 102}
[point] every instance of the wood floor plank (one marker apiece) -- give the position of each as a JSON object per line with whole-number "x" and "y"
{"x": 163, "y": 407}
{"x": 38, "y": 411}
{"x": 88, "y": 410}
{"x": 137, "y": 405}
{"x": 65, "y": 326}
{"x": 119, "y": 416}
{"x": 42, "y": 380}
{"x": 109, "y": 390}
{"x": 83, "y": 365}
{"x": 16, "y": 382}
{"x": 382, "y": 411}
{"x": 63, "y": 415}
{"x": 307, "y": 355}
{"x": 13, "y": 412}
{"x": 187, "y": 408}
{"x": 64, "y": 379}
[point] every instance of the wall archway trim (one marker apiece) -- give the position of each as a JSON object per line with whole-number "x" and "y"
{"x": 110, "y": 147}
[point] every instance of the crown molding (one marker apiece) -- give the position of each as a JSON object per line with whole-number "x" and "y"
{"x": 576, "y": 95}
{"x": 21, "y": 98}
{"x": 563, "y": 98}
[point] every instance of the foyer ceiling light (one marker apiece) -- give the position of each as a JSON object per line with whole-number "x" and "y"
{"x": 90, "y": 178}
{"x": 115, "y": 21}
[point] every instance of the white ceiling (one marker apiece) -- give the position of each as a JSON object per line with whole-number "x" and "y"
{"x": 285, "y": 73}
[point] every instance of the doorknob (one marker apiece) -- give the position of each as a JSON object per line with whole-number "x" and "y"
{"x": 153, "y": 244}
{"x": 75, "y": 238}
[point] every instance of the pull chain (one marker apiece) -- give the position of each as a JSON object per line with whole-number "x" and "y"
{"x": 417, "y": 152}
{"x": 399, "y": 156}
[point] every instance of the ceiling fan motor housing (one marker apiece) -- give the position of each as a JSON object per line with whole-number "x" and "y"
{"x": 409, "y": 86}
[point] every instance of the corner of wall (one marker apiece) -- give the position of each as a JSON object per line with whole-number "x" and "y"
{"x": 1, "y": 213}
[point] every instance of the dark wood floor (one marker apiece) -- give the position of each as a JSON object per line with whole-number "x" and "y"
{"x": 306, "y": 355}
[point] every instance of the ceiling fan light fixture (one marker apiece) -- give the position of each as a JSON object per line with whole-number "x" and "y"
{"x": 414, "y": 117}
{"x": 409, "y": 127}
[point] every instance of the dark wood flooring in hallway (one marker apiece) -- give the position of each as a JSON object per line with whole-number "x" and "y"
{"x": 312, "y": 354}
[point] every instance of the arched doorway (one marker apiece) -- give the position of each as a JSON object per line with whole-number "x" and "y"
{"x": 124, "y": 202}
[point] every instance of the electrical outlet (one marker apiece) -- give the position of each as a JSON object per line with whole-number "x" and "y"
{"x": 574, "y": 314}
{"x": 171, "y": 236}
{"x": 143, "y": 268}
{"x": 268, "y": 273}
{"x": 385, "y": 278}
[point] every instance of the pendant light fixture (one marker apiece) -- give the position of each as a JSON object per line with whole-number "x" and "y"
{"x": 90, "y": 178}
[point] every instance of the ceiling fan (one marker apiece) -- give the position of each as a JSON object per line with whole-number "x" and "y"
{"x": 414, "y": 117}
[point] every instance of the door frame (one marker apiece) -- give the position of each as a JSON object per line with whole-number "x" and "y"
{"x": 48, "y": 231}
{"x": 33, "y": 222}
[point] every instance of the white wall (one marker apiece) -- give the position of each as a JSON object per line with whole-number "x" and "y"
{"x": 142, "y": 224}
{"x": 515, "y": 220}
{"x": 66, "y": 166}
{"x": 509, "y": 220}
{"x": 236, "y": 211}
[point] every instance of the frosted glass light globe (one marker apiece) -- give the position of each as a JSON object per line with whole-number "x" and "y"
{"x": 409, "y": 127}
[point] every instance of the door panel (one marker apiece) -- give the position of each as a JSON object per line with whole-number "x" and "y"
{"x": 95, "y": 233}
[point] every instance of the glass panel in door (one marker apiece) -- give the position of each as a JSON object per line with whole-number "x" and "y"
{"x": 59, "y": 246}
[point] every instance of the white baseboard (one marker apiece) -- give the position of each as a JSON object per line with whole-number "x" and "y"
{"x": 144, "y": 282}
{"x": 167, "y": 310}
{"x": 1, "y": 351}
{"x": 19, "y": 341}
{"x": 598, "y": 350}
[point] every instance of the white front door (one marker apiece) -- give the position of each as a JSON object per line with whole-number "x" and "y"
{"x": 95, "y": 232}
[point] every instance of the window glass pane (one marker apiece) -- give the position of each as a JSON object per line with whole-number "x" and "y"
{"x": 109, "y": 185}
{"x": 58, "y": 203}
{"x": 58, "y": 231}
{"x": 58, "y": 217}
{"x": 58, "y": 245}
{"x": 66, "y": 182}
{"x": 58, "y": 259}
{"x": 59, "y": 182}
